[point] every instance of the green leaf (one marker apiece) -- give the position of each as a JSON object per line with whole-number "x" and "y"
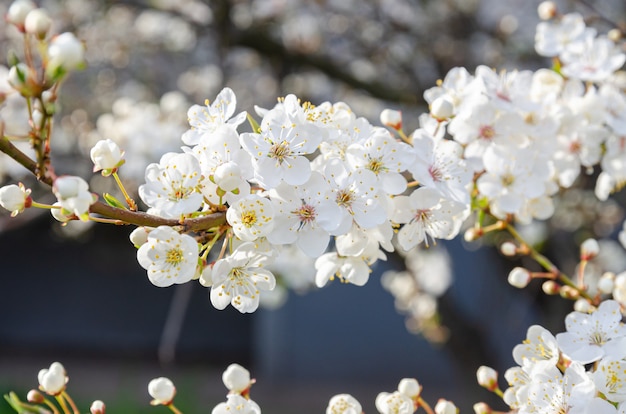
{"x": 113, "y": 202}
{"x": 254, "y": 124}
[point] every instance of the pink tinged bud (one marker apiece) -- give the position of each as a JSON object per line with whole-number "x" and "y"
{"x": 18, "y": 11}
{"x": 236, "y": 378}
{"x": 568, "y": 292}
{"x": 35, "y": 397}
{"x": 391, "y": 118}
{"x": 442, "y": 108}
{"x": 519, "y": 277}
{"x": 508, "y": 249}
{"x": 410, "y": 387}
{"x": 550, "y": 287}
{"x": 162, "y": 391}
{"x": 15, "y": 198}
{"x": 472, "y": 234}
{"x": 445, "y": 407}
{"x": 606, "y": 283}
{"x": 487, "y": 377}
{"x": 52, "y": 380}
{"x": 38, "y": 23}
{"x": 482, "y": 408}
{"x": 589, "y": 249}
{"x": 547, "y": 10}
{"x": 97, "y": 407}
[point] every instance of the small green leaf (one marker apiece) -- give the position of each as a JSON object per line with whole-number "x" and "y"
{"x": 112, "y": 201}
{"x": 254, "y": 124}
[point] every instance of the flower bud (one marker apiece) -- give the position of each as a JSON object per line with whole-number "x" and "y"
{"x": 519, "y": 277}
{"x": 23, "y": 79}
{"x": 18, "y": 11}
{"x": 442, "y": 108}
{"x": 472, "y": 234}
{"x": 162, "y": 390}
{"x": 391, "y": 118}
{"x": 15, "y": 198}
{"x": 106, "y": 156}
{"x": 508, "y": 249}
{"x": 582, "y": 305}
{"x": 487, "y": 377}
{"x": 589, "y": 249}
{"x": 35, "y": 397}
{"x": 236, "y": 378}
{"x": 52, "y": 380}
{"x": 410, "y": 387}
{"x": 97, "y": 407}
{"x": 615, "y": 35}
{"x": 606, "y": 283}
{"x": 482, "y": 408}
{"x": 38, "y": 23}
{"x": 547, "y": 10}
{"x": 206, "y": 278}
{"x": 445, "y": 407}
{"x": 74, "y": 196}
{"x": 65, "y": 53}
{"x": 550, "y": 287}
{"x": 139, "y": 236}
{"x": 568, "y": 292}
{"x": 227, "y": 176}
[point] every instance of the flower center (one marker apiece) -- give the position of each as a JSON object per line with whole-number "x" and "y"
{"x": 248, "y": 218}
{"x": 345, "y": 198}
{"x": 435, "y": 173}
{"x": 174, "y": 256}
{"x": 376, "y": 165}
{"x": 507, "y": 179}
{"x": 306, "y": 214}
{"x": 487, "y": 132}
{"x": 279, "y": 151}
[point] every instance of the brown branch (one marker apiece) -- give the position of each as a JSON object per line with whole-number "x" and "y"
{"x": 137, "y": 218}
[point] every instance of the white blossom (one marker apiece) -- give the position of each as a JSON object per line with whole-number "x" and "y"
{"x": 239, "y": 278}
{"x": 343, "y": 404}
{"x": 162, "y": 390}
{"x": 52, "y": 380}
{"x": 168, "y": 256}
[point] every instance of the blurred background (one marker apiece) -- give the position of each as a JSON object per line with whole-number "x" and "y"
{"x": 77, "y": 295}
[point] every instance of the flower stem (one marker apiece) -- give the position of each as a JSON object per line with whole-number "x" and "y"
{"x": 131, "y": 203}
{"x": 421, "y": 403}
{"x": 174, "y": 409}
{"x": 548, "y": 265}
{"x": 69, "y": 399}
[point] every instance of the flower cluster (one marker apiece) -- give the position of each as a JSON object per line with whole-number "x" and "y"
{"x": 551, "y": 375}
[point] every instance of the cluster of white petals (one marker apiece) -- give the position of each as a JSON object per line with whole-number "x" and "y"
{"x": 551, "y": 374}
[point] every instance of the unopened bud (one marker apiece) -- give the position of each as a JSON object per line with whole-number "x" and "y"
{"x": 615, "y": 35}
{"x": 391, "y": 118}
{"x": 487, "y": 378}
{"x": 519, "y": 277}
{"x": 35, "y": 397}
{"x": 409, "y": 387}
{"x": 508, "y": 249}
{"x": 162, "y": 390}
{"x": 472, "y": 234}
{"x": 568, "y": 292}
{"x": 589, "y": 249}
{"x": 445, "y": 407}
{"x": 65, "y": 53}
{"x": 550, "y": 287}
{"x": 442, "y": 108}
{"x": 482, "y": 408}
{"x": 97, "y": 407}
{"x": 606, "y": 282}
{"x": 18, "y": 11}
{"x": 547, "y": 10}
{"x": 236, "y": 378}
{"x": 139, "y": 236}
{"x": 38, "y": 23}
{"x": 582, "y": 305}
